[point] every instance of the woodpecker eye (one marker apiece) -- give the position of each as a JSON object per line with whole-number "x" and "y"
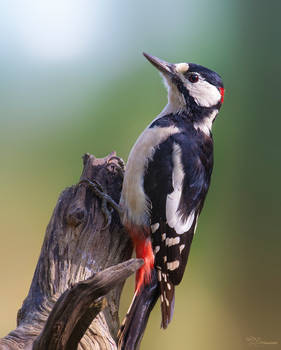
{"x": 193, "y": 78}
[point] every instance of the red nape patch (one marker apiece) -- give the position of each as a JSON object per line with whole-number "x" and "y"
{"x": 222, "y": 94}
{"x": 144, "y": 251}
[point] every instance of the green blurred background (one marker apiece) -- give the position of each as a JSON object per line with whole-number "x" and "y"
{"x": 73, "y": 80}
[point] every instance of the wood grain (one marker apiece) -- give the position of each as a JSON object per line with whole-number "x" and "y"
{"x": 75, "y": 292}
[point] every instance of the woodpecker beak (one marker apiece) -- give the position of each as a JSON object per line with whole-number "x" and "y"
{"x": 162, "y": 66}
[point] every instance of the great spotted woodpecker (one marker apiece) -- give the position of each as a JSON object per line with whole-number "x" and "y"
{"x": 165, "y": 184}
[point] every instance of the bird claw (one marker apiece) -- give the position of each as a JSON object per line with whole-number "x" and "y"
{"x": 116, "y": 164}
{"x": 106, "y": 200}
{"x": 120, "y": 162}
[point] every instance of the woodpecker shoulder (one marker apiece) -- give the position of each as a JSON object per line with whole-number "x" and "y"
{"x": 187, "y": 156}
{"x": 134, "y": 200}
{"x": 202, "y": 123}
{"x": 151, "y": 165}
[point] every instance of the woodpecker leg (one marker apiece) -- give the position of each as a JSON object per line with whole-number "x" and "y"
{"x": 106, "y": 200}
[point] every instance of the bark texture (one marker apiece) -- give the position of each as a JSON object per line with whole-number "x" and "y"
{"x": 73, "y": 299}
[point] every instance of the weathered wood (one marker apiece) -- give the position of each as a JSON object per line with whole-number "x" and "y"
{"x": 75, "y": 249}
{"x": 77, "y": 307}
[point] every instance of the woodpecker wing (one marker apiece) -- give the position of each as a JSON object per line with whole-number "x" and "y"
{"x": 176, "y": 182}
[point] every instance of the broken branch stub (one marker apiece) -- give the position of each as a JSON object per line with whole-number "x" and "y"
{"x": 76, "y": 249}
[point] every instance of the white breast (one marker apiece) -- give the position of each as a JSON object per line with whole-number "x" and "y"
{"x": 133, "y": 200}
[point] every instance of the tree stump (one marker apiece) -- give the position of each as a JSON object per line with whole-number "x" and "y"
{"x": 74, "y": 296}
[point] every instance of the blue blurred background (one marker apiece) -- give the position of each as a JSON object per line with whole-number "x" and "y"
{"x": 73, "y": 80}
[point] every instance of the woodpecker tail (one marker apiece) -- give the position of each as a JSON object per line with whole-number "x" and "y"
{"x": 133, "y": 326}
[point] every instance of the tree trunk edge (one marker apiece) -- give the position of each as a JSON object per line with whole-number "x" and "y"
{"x": 75, "y": 248}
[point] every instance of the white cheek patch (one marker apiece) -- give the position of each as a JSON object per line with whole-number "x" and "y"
{"x": 174, "y": 219}
{"x": 204, "y": 93}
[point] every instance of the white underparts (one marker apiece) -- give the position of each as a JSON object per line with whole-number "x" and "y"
{"x": 176, "y": 102}
{"x": 135, "y": 203}
{"x": 175, "y": 219}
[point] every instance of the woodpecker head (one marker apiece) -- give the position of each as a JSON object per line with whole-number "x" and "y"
{"x": 191, "y": 87}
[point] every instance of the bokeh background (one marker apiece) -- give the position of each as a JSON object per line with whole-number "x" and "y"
{"x": 73, "y": 80}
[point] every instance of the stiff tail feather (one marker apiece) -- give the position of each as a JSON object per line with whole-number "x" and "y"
{"x": 167, "y": 298}
{"x": 134, "y": 324}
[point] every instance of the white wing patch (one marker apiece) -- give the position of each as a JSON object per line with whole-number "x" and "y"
{"x": 182, "y": 247}
{"x": 174, "y": 219}
{"x": 173, "y": 265}
{"x": 172, "y": 241}
{"x": 155, "y": 227}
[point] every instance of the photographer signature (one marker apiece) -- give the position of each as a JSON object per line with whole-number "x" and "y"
{"x": 255, "y": 341}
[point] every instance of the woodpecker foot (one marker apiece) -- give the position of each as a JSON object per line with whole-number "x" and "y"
{"x": 120, "y": 163}
{"x": 106, "y": 200}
